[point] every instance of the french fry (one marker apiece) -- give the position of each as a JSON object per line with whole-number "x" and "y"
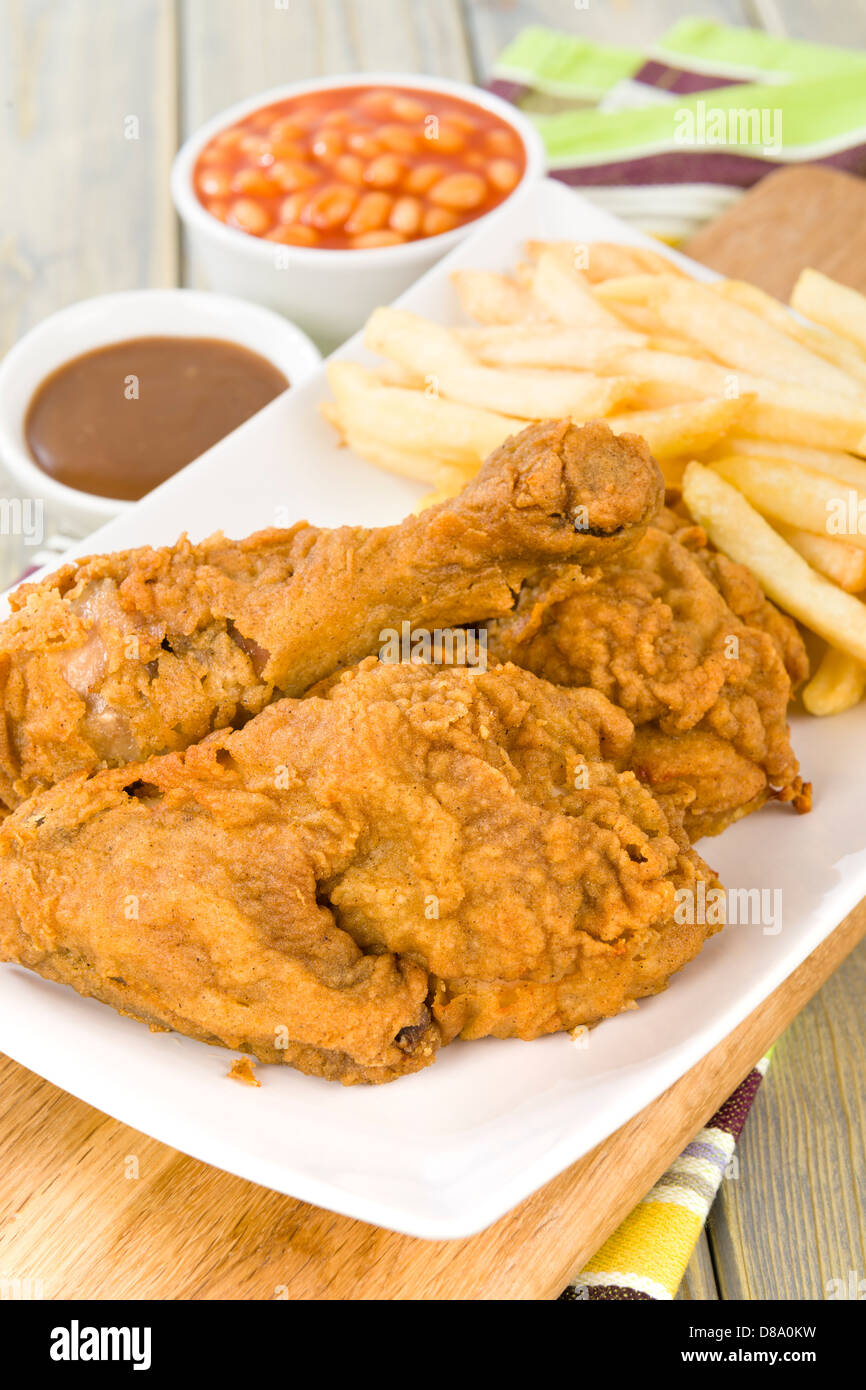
{"x": 564, "y": 293}
{"x": 681, "y": 429}
{"x": 609, "y": 260}
{"x": 419, "y": 467}
{"x": 523, "y": 273}
{"x": 641, "y": 320}
{"x": 796, "y": 495}
{"x": 835, "y": 306}
{"x": 672, "y": 472}
{"x": 660, "y": 342}
{"x": 828, "y": 345}
{"x": 413, "y": 421}
{"x": 655, "y": 395}
{"x": 661, "y": 378}
{"x": 694, "y": 376}
{"x": 605, "y": 260}
{"x": 330, "y": 411}
{"x": 736, "y": 336}
{"x": 392, "y": 374}
{"x": 734, "y": 526}
{"x": 837, "y": 685}
{"x": 835, "y": 463}
{"x": 795, "y": 415}
{"x": 407, "y": 464}
{"x": 438, "y": 355}
{"x": 776, "y": 411}
{"x": 494, "y": 299}
{"x": 637, "y": 288}
{"x": 843, "y": 563}
{"x": 404, "y": 462}
{"x": 548, "y": 345}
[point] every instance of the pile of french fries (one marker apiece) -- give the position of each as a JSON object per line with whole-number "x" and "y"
{"x": 757, "y": 419}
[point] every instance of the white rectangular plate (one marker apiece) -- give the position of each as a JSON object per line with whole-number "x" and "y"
{"x": 448, "y": 1151}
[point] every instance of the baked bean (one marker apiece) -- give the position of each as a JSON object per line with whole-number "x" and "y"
{"x": 408, "y": 109}
{"x": 350, "y": 168}
{"x": 384, "y": 238}
{"x": 364, "y": 143}
{"x": 215, "y": 182}
{"x": 294, "y": 235}
{"x": 288, "y": 150}
{"x": 290, "y": 176}
{"x": 458, "y": 191}
{"x": 399, "y": 138}
{"x": 359, "y": 166}
{"x": 249, "y": 216}
{"x": 384, "y": 171}
{"x": 439, "y": 220}
{"x": 503, "y": 174}
{"x": 406, "y": 216}
{"x": 329, "y": 207}
{"x": 423, "y": 177}
{"x": 328, "y": 146}
{"x": 255, "y": 145}
{"x": 256, "y": 183}
{"x": 307, "y": 117}
{"x": 378, "y": 101}
{"x": 286, "y": 129}
{"x": 445, "y": 139}
{"x": 371, "y": 212}
{"x": 500, "y": 142}
{"x": 292, "y": 207}
{"x": 460, "y": 120}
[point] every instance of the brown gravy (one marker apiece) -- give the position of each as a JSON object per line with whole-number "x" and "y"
{"x": 118, "y": 421}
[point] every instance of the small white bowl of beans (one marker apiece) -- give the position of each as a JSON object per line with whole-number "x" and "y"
{"x": 325, "y": 199}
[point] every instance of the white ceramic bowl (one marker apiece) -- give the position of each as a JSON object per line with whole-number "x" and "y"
{"x": 113, "y": 318}
{"x": 331, "y": 293}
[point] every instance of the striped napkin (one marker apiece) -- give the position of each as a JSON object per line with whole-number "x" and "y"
{"x": 670, "y": 138}
{"x": 646, "y": 1257}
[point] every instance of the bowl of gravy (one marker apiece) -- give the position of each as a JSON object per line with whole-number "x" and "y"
{"x": 104, "y": 401}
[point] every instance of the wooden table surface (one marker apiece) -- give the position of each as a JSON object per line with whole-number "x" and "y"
{"x": 91, "y": 213}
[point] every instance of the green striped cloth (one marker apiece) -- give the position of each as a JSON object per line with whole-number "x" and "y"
{"x": 671, "y": 137}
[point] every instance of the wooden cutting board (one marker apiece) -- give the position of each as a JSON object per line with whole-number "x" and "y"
{"x": 91, "y": 1209}
{"x": 794, "y": 217}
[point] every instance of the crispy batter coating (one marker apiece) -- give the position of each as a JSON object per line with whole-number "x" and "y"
{"x": 122, "y": 657}
{"x": 686, "y": 643}
{"x": 354, "y": 879}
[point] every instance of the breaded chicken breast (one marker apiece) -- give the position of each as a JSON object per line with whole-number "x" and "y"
{"x": 121, "y": 657}
{"x": 357, "y": 878}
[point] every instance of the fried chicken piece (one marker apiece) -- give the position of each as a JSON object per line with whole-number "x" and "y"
{"x": 353, "y": 880}
{"x": 685, "y": 642}
{"x": 124, "y": 656}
